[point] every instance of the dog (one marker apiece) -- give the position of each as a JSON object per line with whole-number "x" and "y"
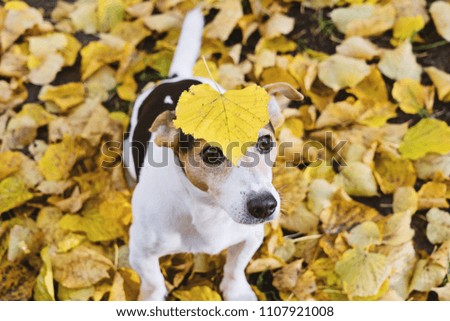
{"x": 198, "y": 201}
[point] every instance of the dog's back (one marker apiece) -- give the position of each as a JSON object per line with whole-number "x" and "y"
{"x": 165, "y": 95}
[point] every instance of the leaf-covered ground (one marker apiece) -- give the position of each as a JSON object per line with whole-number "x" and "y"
{"x": 370, "y": 222}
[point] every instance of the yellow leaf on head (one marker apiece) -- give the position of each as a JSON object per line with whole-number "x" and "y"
{"x": 222, "y": 119}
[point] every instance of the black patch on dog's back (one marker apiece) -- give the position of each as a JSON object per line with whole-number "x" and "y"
{"x": 154, "y": 105}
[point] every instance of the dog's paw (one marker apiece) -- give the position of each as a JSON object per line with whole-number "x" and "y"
{"x": 237, "y": 291}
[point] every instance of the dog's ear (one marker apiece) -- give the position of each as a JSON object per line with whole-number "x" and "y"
{"x": 276, "y": 118}
{"x": 164, "y": 130}
{"x": 285, "y": 89}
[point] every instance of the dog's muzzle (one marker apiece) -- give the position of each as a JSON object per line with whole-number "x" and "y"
{"x": 261, "y": 205}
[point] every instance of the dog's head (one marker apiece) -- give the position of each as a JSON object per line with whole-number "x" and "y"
{"x": 245, "y": 191}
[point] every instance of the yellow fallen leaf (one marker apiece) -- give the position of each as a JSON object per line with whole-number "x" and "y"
{"x": 114, "y": 208}
{"x": 264, "y": 264}
{"x": 44, "y": 288}
{"x": 133, "y": 32}
{"x": 109, "y": 14}
{"x": 13, "y": 192}
{"x": 99, "y": 85}
{"x": 121, "y": 118}
{"x": 24, "y": 240}
{"x": 16, "y": 22}
{"x": 441, "y": 81}
{"x": 59, "y": 159}
{"x": 339, "y": 71}
{"x": 358, "y": 179}
{"x": 364, "y": 20}
{"x": 440, "y": 12}
{"x": 275, "y": 74}
{"x": 224, "y": 22}
{"x": 53, "y": 187}
{"x": 9, "y": 163}
{"x": 407, "y": 27}
{"x": 405, "y": 199}
{"x": 400, "y": 63}
{"x": 431, "y": 165}
{"x": 433, "y": 194}
{"x": 277, "y": 44}
{"x": 376, "y": 115}
{"x": 289, "y": 180}
{"x": 278, "y": 24}
{"x": 160, "y": 61}
{"x": 396, "y": 228}
{"x": 408, "y": 8}
{"x": 264, "y": 59}
{"x": 362, "y": 273}
{"x": 127, "y": 86}
{"x": 359, "y": 48}
{"x": 344, "y": 214}
{"x": 140, "y": 9}
{"x": 364, "y": 235}
{"x": 163, "y": 22}
{"x": 205, "y": 113}
{"x": 197, "y": 293}
{"x": 45, "y": 72}
{"x": 70, "y": 52}
{"x": 16, "y": 5}
{"x": 97, "y": 124}
{"x": 371, "y": 88}
{"x": 84, "y": 17}
{"x": 300, "y": 220}
{"x": 425, "y": 137}
{"x": 410, "y": 94}
{"x": 78, "y": 294}
{"x": 341, "y": 113}
{"x": 393, "y": 172}
{"x": 125, "y": 285}
{"x": 292, "y": 279}
{"x": 81, "y": 267}
{"x": 71, "y": 204}
{"x": 98, "y": 54}
{"x": 64, "y": 96}
{"x": 12, "y": 94}
{"x": 201, "y": 71}
{"x": 320, "y": 195}
{"x": 37, "y": 113}
{"x": 401, "y": 259}
{"x": 13, "y": 63}
{"x": 438, "y": 228}
{"x": 61, "y": 47}
{"x": 430, "y": 273}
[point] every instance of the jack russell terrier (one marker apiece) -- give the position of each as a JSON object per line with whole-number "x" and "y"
{"x": 198, "y": 202}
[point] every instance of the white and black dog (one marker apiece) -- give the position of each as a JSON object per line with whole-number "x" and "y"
{"x": 195, "y": 200}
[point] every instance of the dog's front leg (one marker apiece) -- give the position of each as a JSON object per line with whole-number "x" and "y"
{"x": 152, "y": 280}
{"x": 234, "y": 285}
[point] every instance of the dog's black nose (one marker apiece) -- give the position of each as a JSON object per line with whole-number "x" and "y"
{"x": 262, "y": 205}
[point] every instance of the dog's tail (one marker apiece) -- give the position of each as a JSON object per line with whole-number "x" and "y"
{"x": 188, "y": 48}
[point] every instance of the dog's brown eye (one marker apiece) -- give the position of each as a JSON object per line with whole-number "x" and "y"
{"x": 264, "y": 144}
{"x": 213, "y": 156}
